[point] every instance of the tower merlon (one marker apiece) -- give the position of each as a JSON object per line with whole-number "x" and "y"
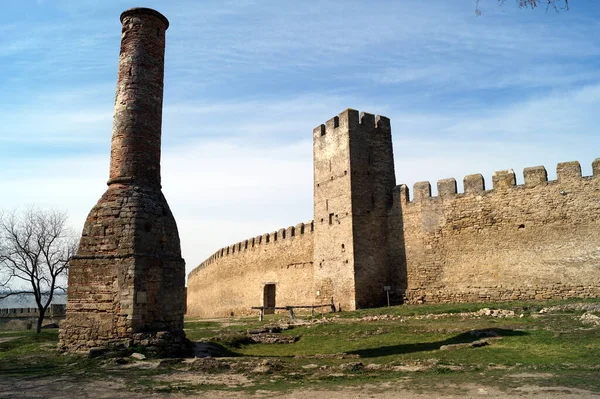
{"x": 504, "y": 179}
{"x": 474, "y": 183}
{"x": 422, "y": 190}
{"x": 382, "y": 122}
{"x": 446, "y": 187}
{"x": 400, "y": 194}
{"x": 367, "y": 119}
{"x": 290, "y": 232}
{"x": 351, "y": 119}
{"x": 596, "y": 167}
{"x": 535, "y": 175}
{"x": 568, "y": 171}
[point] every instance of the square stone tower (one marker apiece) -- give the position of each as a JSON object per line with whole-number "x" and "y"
{"x": 353, "y": 183}
{"x": 127, "y": 281}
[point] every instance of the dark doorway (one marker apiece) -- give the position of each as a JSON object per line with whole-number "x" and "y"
{"x": 269, "y": 298}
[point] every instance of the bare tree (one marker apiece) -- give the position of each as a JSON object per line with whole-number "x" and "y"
{"x": 35, "y": 247}
{"x": 554, "y": 4}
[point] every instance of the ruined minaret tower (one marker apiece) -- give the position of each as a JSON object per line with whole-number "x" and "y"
{"x": 127, "y": 281}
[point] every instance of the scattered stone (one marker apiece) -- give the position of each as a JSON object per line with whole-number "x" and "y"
{"x": 352, "y": 366}
{"x": 329, "y": 356}
{"x": 310, "y": 366}
{"x": 266, "y": 366}
{"x": 266, "y": 330}
{"x": 475, "y": 344}
{"x": 208, "y": 364}
{"x": 373, "y": 366}
{"x": 589, "y": 318}
{"x": 496, "y": 312}
{"x": 410, "y": 368}
{"x": 268, "y": 338}
{"x": 582, "y": 306}
{"x": 138, "y": 356}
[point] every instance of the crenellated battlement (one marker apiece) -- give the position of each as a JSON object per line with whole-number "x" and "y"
{"x": 301, "y": 230}
{"x": 510, "y": 239}
{"x": 351, "y": 119}
{"x": 566, "y": 172}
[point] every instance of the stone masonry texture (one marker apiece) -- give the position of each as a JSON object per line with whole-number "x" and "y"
{"x": 127, "y": 281}
{"x": 537, "y": 240}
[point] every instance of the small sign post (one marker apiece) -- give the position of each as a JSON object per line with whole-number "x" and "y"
{"x": 387, "y": 289}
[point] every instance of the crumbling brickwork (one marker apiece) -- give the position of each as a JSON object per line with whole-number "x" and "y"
{"x": 127, "y": 281}
{"x": 538, "y": 240}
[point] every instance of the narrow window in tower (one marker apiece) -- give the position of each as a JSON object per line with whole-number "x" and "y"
{"x": 330, "y": 166}
{"x": 331, "y": 218}
{"x": 326, "y": 204}
{"x": 372, "y": 200}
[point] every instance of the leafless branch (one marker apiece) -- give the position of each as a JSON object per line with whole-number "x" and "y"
{"x": 556, "y": 5}
{"x": 35, "y": 247}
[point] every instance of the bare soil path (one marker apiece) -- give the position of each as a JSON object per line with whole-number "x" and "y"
{"x": 69, "y": 387}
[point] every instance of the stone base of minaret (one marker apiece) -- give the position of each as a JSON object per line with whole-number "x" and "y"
{"x": 127, "y": 282}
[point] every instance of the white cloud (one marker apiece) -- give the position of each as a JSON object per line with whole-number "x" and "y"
{"x": 237, "y": 159}
{"x": 225, "y": 187}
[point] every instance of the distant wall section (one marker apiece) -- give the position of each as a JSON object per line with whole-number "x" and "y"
{"x": 234, "y": 278}
{"x": 538, "y": 240}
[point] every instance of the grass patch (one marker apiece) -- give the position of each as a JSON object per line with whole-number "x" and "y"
{"x": 553, "y": 349}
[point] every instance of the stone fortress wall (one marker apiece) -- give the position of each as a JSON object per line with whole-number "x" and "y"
{"x": 538, "y": 240}
{"x": 233, "y": 279}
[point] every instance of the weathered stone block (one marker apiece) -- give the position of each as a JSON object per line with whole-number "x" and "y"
{"x": 474, "y": 184}
{"x": 568, "y": 171}
{"x": 535, "y": 175}
{"x": 504, "y": 179}
{"x": 422, "y": 191}
{"x": 446, "y": 187}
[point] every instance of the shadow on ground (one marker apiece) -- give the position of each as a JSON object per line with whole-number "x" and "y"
{"x": 464, "y": 338}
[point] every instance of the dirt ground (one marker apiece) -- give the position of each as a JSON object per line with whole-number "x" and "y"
{"x": 46, "y": 388}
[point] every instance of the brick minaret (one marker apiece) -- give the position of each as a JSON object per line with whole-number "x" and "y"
{"x": 127, "y": 282}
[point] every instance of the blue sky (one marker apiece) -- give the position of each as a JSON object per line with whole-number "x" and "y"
{"x": 246, "y": 81}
